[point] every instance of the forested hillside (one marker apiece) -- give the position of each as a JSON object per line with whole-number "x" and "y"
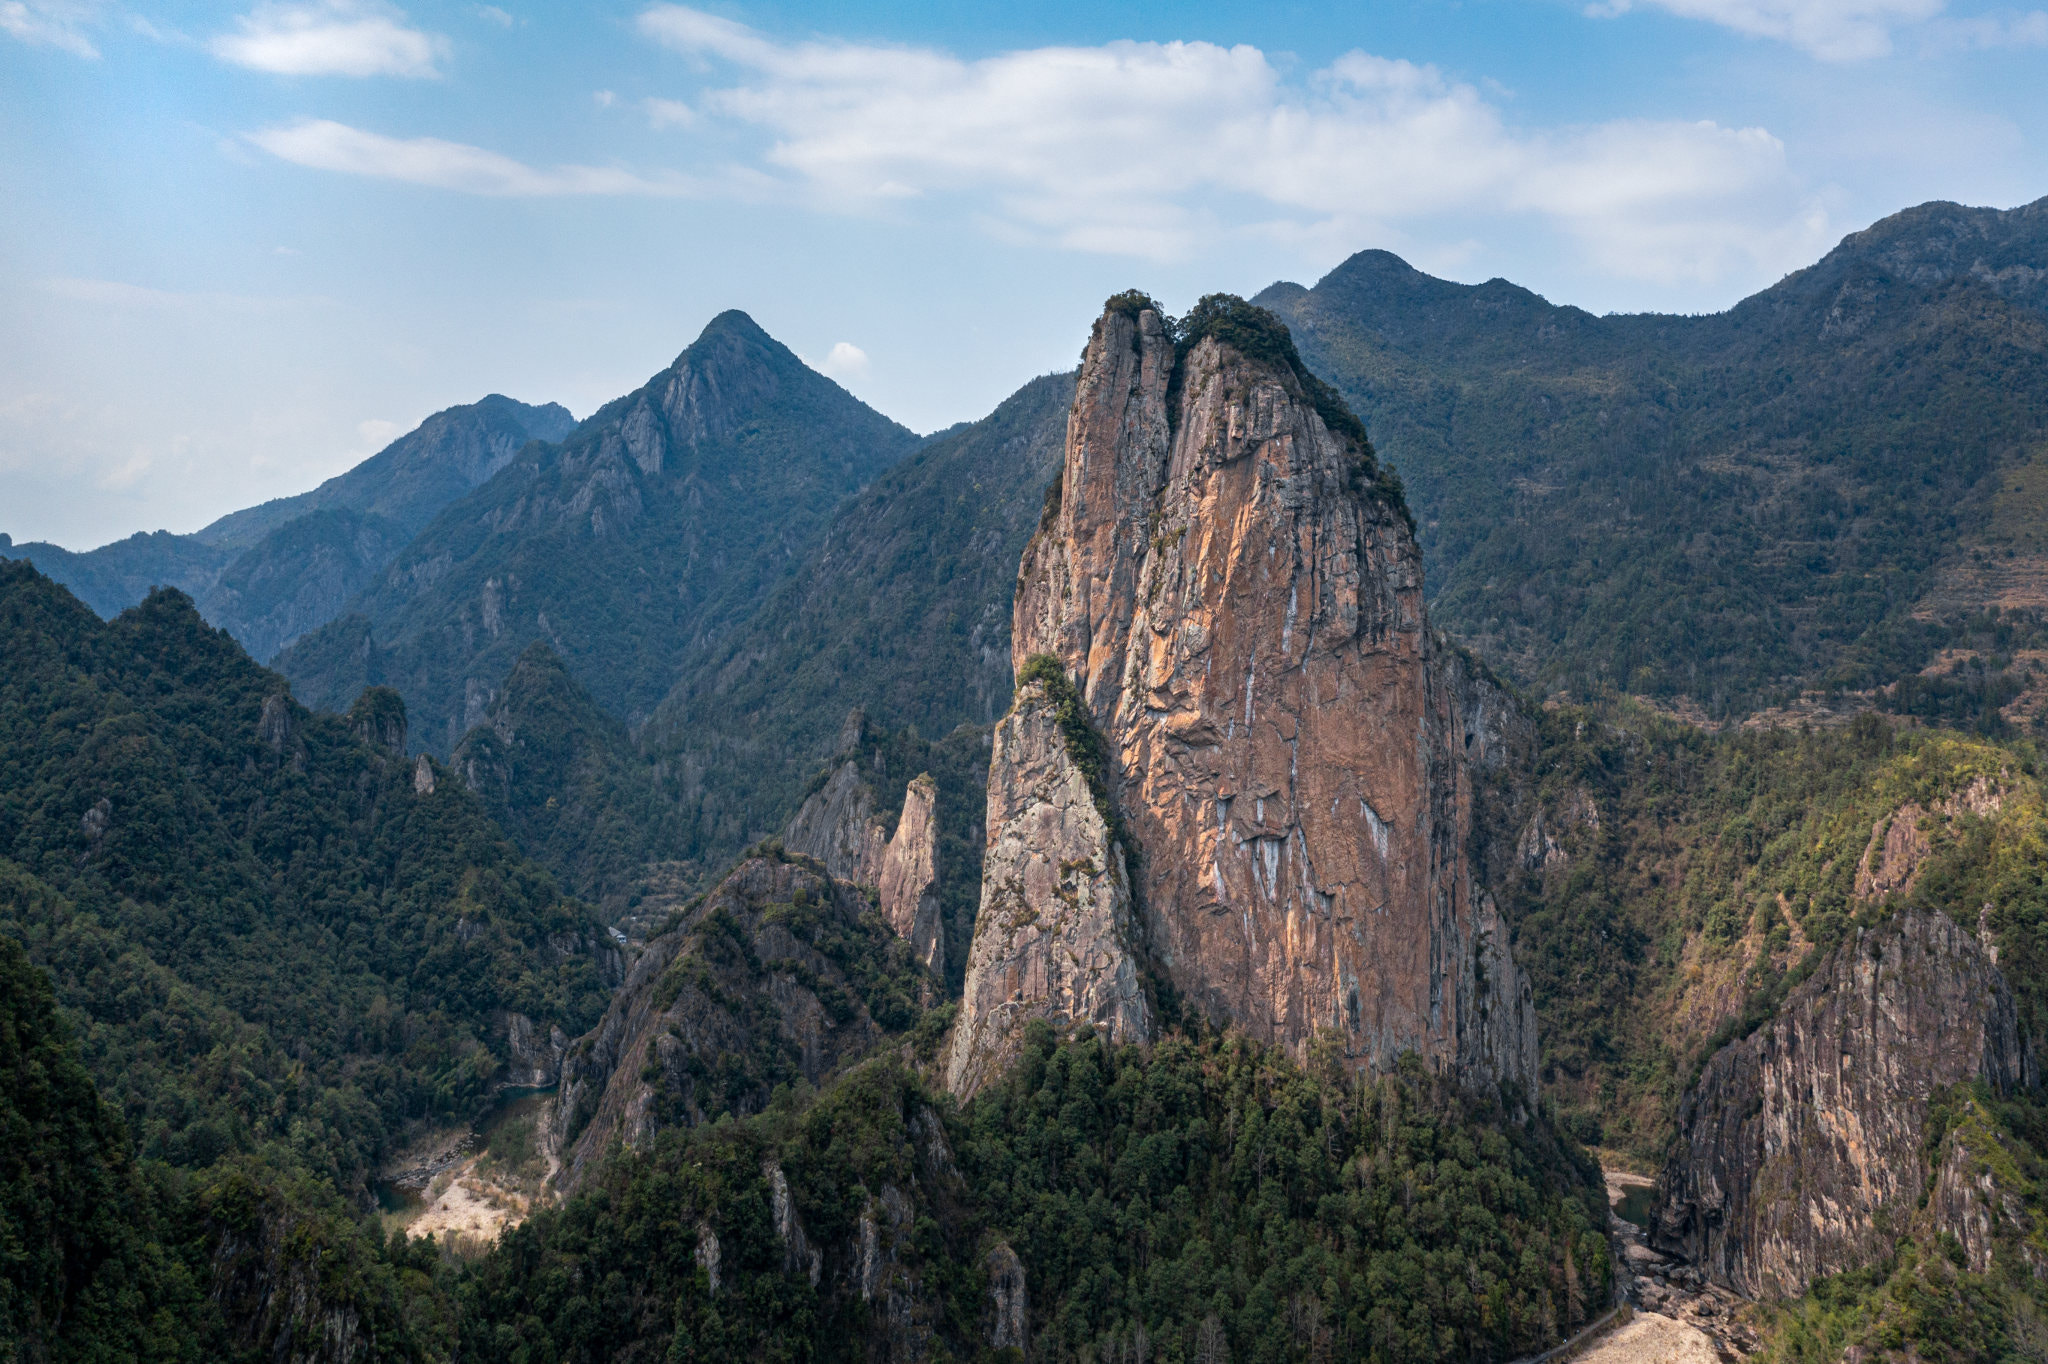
{"x": 273, "y": 932}
{"x": 1816, "y": 489}
{"x": 1202, "y": 1199}
{"x": 901, "y": 611}
{"x": 665, "y": 517}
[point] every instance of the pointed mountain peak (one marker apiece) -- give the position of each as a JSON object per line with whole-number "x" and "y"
{"x": 733, "y": 338}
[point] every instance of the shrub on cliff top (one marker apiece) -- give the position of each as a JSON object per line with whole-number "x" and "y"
{"x": 1260, "y": 336}
{"x": 1085, "y": 748}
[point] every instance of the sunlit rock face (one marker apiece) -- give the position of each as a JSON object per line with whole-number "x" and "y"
{"x": 1238, "y": 602}
{"x": 1802, "y": 1149}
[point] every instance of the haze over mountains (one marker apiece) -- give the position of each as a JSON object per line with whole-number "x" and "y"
{"x": 268, "y": 574}
{"x": 1123, "y": 879}
{"x": 1822, "y": 489}
{"x": 1811, "y": 490}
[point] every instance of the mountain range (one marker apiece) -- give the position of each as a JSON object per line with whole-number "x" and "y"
{"x": 1244, "y": 852}
{"x": 270, "y": 573}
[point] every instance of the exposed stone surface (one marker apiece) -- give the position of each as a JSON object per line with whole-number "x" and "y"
{"x": 1053, "y": 938}
{"x": 684, "y": 1007}
{"x": 1969, "y": 1202}
{"x": 709, "y": 1254}
{"x": 535, "y": 1058}
{"x": 798, "y": 1255}
{"x": 1898, "y": 845}
{"x": 1801, "y": 1149}
{"x": 271, "y": 1274}
{"x": 278, "y": 725}
{"x": 1009, "y": 1305}
{"x": 909, "y": 881}
{"x": 902, "y": 1317}
{"x": 837, "y": 825}
{"x": 1293, "y": 749}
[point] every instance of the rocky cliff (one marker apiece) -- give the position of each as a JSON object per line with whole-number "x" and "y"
{"x": 837, "y": 824}
{"x": 1055, "y": 938}
{"x": 1802, "y": 1150}
{"x": 1232, "y": 586}
{"x": 779, "y": 974}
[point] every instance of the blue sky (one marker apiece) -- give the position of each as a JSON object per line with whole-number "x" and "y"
{"x": 246, "y": 245}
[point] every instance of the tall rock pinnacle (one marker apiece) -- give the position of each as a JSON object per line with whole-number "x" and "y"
{"x": 1235, "y": 594}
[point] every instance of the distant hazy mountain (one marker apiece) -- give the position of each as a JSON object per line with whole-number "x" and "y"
{"x": 116, "y": 576}
{"x": 1818, "y": 487}
{"x": 269, "y": 573}
{"x": 669, "y": 512}
{"x": 412, "y": 478}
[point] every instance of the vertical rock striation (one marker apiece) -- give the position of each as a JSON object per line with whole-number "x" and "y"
{"x": 909, "y": 876}
{"x": 838, "y": 826}
{"x": 1053, "y": 938}
{"x": 1802, "y": 1149}
{"x": 1236, "y": 595}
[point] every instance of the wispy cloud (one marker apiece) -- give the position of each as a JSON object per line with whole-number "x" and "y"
{"x": 325, "y": 145}
{"x": 1990, "y": 31}
{"x": 107, "y": 293}
{"x": 494, "y": 15}
{"x": 669, "y": 113}
{"x": 51, "y": 23}
{"x": 1148, "y": 148}
{"x": 1849, "y": 30}
{"x": 331, "y": 38}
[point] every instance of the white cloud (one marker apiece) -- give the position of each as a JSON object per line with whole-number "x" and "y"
{"x": 50, "y": 23}
{"x": 845, "y": 362}
{"x": 1832, "y": 30}
{"x": 1149, "y": 149}
{"x": 1990, "y": 30}
{"x": 325, "y": 145}
{"x": 377, "y": 434}
{"x": 106, "y": 293}
{"x": 331, "y": 38}
{"x": 495, "y": 15}
{"x": 603, "y": 99}
{"x": 669, "y": 113}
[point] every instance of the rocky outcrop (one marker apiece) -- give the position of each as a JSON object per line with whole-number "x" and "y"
{"x": 1054, "y": 936}
{"x": 909, "y": 880}
{"x": 533, "y": 1057}
{"x": 378, "y": 719}
{"x": 902, "y": 1316}
{"x": 1899, "y": 844}
{"x": 1979, "y": 1196}
{"x": 1009, "y": 1304}
{"x": 721, "y": 1008}
{"x": 837, "y": 825}
{"x": 1236, "y": 594}
{"x": 1802, "y": 1149}
{"x": 799, "y": 1256}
